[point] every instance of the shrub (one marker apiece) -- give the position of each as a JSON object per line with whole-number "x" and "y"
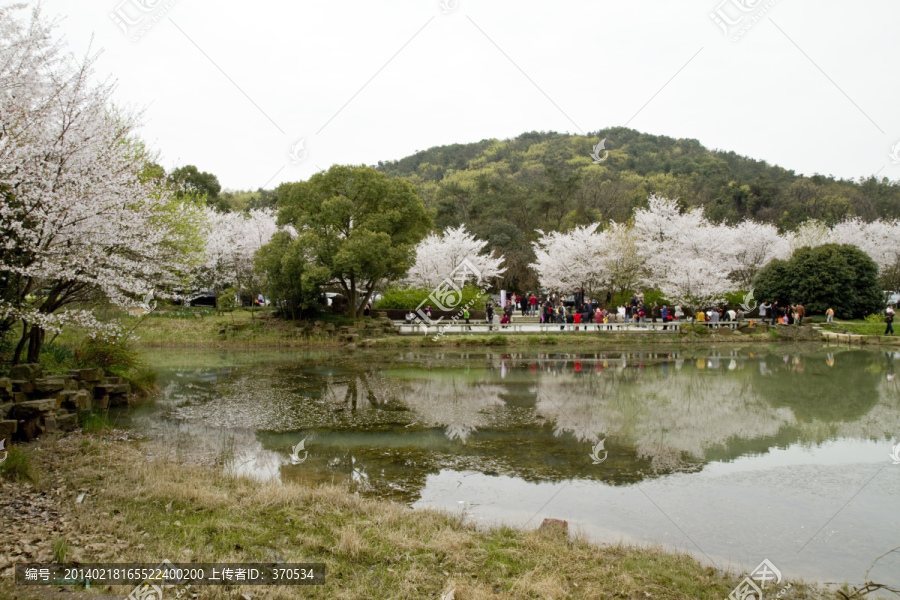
{"x": 94, "y": 421}
{"x": 118, "y": 358}
{"x": 107, "y": 355}
{"x": 689, "y": 328}
{"x": 842, "y": 277}
{"x": 60, "y": 549}
{"x": 17, "y": 466}
{"x": 227, "y": 301}
{"x": 56, "y": 358}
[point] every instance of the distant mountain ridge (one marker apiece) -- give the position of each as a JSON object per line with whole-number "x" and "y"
{"x": 505, "y": 190}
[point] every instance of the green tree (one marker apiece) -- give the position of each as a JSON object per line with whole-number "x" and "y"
{"x": 773, "y": 283}
{"x": 841, "y": 277}
{"x": 358, "y": 226}
{"x": 292, "y": 283}
{"x": 189, "y": 180}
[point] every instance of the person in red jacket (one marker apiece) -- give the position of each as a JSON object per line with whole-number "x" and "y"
{"x": 577, "y": 319}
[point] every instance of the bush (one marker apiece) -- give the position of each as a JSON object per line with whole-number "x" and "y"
{"x": 877, "y": 319}
{"x": 689, "y": 328}
{"x": 107, "y": 355}
{"x": 227, "y": 301}
{"x": 410, "y": 298}
{"x": 17, "y": 466}
{"x": 56, "y": 358}
{"x": 94, "y": 421}
{"x": 841, "y": 277}
{"x": 118, "y": 358}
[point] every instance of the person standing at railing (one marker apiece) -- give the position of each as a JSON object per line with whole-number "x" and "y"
{"x": 664, "y": 315}
{"x": 466, "y": 317}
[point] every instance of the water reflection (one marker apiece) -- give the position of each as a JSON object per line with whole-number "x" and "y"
{"x": 378, "y": 419}
{"x": 504, "y": 431}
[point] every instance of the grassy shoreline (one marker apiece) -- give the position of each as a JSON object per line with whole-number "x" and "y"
{"x": 144, "y": 506}
{"x": 260, "y": 329}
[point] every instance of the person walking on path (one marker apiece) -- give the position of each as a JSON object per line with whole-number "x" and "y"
{"x": 829, "y": 315}
{"x": 889, "y": 321}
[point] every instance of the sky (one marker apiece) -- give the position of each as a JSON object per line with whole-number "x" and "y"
{"x": 261, "y": 94}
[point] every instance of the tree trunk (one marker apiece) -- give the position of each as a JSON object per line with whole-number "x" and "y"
{"x": 21, "y": 345}
{"x": 351, "y": 301}
{"x": 35, "y": 341}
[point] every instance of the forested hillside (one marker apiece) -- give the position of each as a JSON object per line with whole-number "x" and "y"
{"x": 504, "y": 191}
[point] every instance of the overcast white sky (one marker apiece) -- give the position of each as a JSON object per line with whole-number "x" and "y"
{"x": 232, "y": 86}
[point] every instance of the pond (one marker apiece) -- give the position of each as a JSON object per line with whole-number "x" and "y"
{"x": 732, "y": 454}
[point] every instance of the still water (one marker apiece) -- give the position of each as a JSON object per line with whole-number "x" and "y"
{"x": 731, "y": 454}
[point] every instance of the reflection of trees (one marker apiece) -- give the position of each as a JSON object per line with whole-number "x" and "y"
{"x": 661, "y": 417}
{"x": 814, "y": 391}
{"x": 460, "y": 407}
{"x": 392, "y": 421}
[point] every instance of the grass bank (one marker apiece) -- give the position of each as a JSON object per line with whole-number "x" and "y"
{"x": 140, "y": 505}
{"x": 242, "y": 329}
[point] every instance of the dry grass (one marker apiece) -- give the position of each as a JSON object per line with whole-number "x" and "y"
{"x": 139, "y": 510}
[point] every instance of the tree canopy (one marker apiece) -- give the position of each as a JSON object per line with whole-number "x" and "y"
{"x": 841, "y": 277}
{"x": 357, "y": 224}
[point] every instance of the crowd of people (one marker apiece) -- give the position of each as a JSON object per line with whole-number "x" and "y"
{"x": 583, "y": 312}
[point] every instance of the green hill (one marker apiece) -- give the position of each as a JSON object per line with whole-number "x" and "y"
{"x": 504, "y": 190}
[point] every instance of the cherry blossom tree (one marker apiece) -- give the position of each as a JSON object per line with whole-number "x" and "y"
{"x": 686, "y": 256}
{"x": 810, "y": 234}
{"x": 751, "y": 246}
{"x": 232, "y": 240}
{"x": 80, "y": 221}
{"x": 879, "y": 239}
{"x": 438, "y": 255}
{"x": 565, "y": 261}
{"x": 622, "y": 263}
